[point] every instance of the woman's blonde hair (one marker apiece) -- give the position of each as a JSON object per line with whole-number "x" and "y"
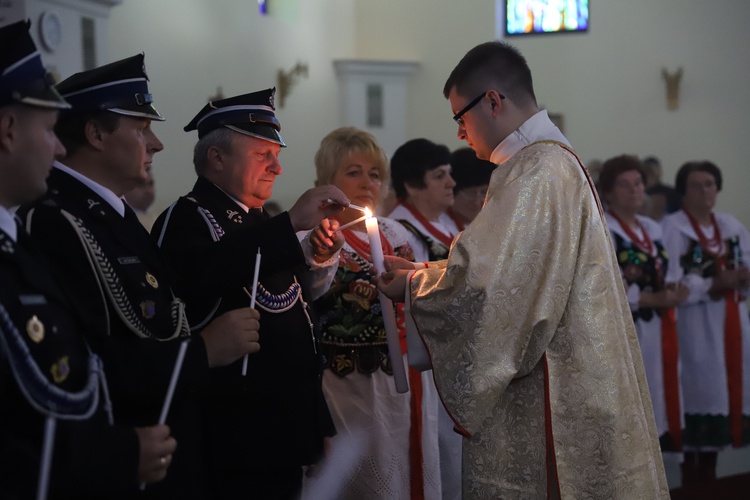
{"x": 342, "y": 142}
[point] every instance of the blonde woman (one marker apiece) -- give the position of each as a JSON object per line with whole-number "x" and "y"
{"x": 389, "y": 440}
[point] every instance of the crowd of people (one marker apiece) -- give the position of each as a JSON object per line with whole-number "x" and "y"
{"x": 556, "y": 342}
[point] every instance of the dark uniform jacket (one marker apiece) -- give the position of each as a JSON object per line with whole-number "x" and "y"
{"x": 46, "y": 369}
{"x": 277, "y": 413}
{"x": 118, "y": 282}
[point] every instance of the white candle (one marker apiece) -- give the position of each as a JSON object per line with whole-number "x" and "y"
{"x": 44, "y": 467}
{"x": 172, "y": 384}
{"x": 389, "y": 317}
{"x": 252, "y": 302}
{"x": 173, "y": 381}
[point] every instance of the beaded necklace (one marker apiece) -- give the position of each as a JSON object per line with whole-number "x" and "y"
{"x": 707, "y": 243}
{"x": 644, "y": 243}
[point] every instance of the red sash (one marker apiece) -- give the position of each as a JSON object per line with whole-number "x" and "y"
{"x": 733, "y": 355}
{"x": 670, "y": 355}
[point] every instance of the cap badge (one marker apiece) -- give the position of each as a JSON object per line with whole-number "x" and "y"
{"x": 60, "y": 370}
{"x": 35, "y": 329}
{"x": 151, "y": 280}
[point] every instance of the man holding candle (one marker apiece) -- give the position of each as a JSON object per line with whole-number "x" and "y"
{"x": 48, "y": 378}
{"x": 263, "y": 427}
{"x": 527, "y": 325}
{"x": 113, "y": 273}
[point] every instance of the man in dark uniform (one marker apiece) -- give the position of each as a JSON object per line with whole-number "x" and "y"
{"x": 263, "y": 427}
{"x": 50, "y": 385}
{"x": 114, "y": 274}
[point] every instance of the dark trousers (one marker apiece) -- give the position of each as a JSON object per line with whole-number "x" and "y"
{"x": 281, "y": 482}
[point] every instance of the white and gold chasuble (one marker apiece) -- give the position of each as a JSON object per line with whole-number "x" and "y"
{"x": 528, "y": 315}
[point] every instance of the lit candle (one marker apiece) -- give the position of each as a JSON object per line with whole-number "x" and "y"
{"x": 389, "y": 317}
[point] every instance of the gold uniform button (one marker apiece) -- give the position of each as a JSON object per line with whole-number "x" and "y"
{"x": 151, "y": 280}
{"x": 35, "y": 329}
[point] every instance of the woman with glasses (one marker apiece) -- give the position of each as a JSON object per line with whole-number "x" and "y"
{"x": 643, "y": 265}
{"x": 710, "y": 249}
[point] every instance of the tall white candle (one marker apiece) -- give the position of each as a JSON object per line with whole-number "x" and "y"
{"x": 44, "y": 468}
{"x": 252, "y": 301}
{"x": 172, "y": 385}
{"x": 389, "y": 317}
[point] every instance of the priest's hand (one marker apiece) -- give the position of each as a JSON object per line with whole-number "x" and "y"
{"x": 315, "y": 205}
{"x": 325, "y": 240}
{"x": 393, "y": 284}
{"x": 156, "y": 447}
{"x": 391, "y": 262}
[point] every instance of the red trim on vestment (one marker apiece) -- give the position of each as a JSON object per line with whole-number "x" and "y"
{"x": 670, "y": 355}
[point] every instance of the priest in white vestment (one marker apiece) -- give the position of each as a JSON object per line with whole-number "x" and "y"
{"x": 526, "y": 324}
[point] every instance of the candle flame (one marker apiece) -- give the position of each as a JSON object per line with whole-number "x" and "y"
{"x": 368, "y": 214}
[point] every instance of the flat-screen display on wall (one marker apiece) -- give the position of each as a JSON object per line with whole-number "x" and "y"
{"x": 525, "y": 17}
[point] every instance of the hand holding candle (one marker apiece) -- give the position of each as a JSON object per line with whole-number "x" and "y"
{"x": 389, "y": 316}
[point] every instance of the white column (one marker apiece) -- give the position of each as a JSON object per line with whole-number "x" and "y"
{"x": 373, "y": 98}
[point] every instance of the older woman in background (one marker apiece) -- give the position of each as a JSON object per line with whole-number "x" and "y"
{"x": 713, "y": 327}
{"x": 422, "y": 180}
{"x": 387, "y": 443}
{"x": 643, "y": 263}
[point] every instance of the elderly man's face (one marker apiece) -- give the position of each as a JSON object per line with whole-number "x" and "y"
{"x": 250, "y": 169}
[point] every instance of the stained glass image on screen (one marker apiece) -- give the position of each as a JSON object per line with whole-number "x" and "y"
{"x": 546, "y": 16}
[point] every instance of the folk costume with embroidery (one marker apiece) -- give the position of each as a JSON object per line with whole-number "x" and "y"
{"x": 277, "y": 413}
{"x": 714, "y": 331}
{"x": 119, "y": 285}
{"x": 430, "y": 240}
{"x": 531, "y": 338}
{"x": 643, "y": 264}
{"x": 396, "y": 434}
